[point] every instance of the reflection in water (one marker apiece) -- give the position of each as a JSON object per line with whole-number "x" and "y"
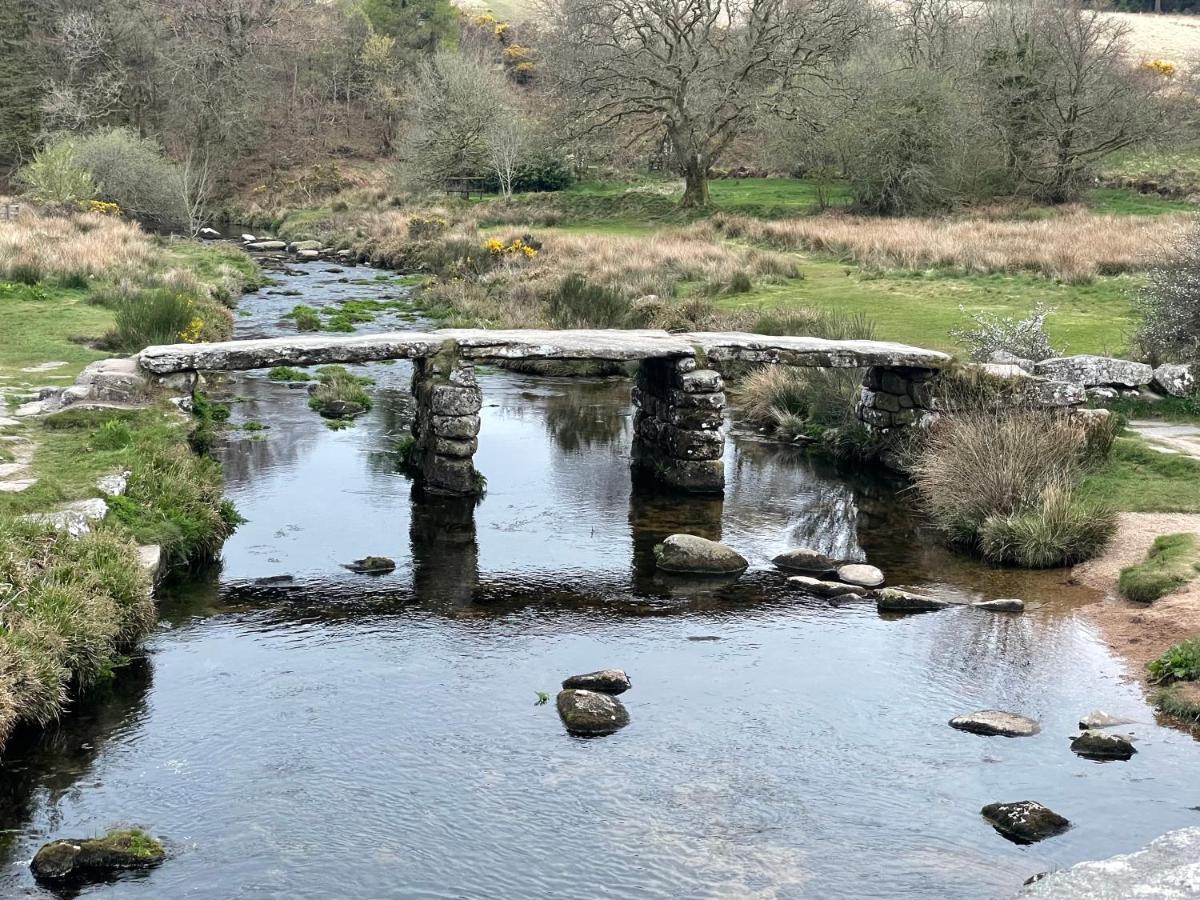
{"x": 782, "y": 746}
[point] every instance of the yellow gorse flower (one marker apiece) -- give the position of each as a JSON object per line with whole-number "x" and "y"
{"x": 104, "y": 208}
{"x": 1160, "y": 67}
{"x": 191, "y": 334}
{"x": 517, "y": 248}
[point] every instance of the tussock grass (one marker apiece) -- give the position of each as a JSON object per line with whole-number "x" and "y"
{"x": 340, "y": 394}
{"x": 1072, "y": 247}
{"x": 1006, "y": 483}
{"x": 69, "y": 250}
{"x": 67, "y": 608}
{"x": 1173, "y": 561}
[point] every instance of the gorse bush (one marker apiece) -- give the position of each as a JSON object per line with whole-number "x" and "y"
{"x": 1169, "y": 330}
{"x": 163, "y": 315}
{"x": 1007, "y": 484}
{"x": 1172, "y": 562}
{"x": 1024, "y": 338}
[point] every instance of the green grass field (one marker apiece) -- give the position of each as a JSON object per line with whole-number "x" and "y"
{"x": 40, "y": 324}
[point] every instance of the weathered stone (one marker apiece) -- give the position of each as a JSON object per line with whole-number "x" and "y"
{"x": 113, "y": 485}
{"x": 1098, "y": 718}
{"x": 684, "y": 443}
{"x": 75, "y": 518}
{"x": 1025, "y": 821}
{"x": 1095, "y": 371}
{"x": 263, "y": 246}
{"x": 896, "y": 600}
{"x": 886, "y": 402}
{"x": 826, "y": 588}
{"x": 860, "y": 574}
{"x": 695, "y": 419}
{"x": 1095, "y": 744}
{"x": 681, "y": 400}
{"x": 1004, "y": 358}
{"x": 892, "y": 382}
{"x": 459, "y": 449}
{"x": 451, "y": 400}
{"x": 605, "y": 681}
{"x": 720, "y": 348}
{"x": 297, "y": 246}
{"x": 372, "y": 565}
{"x": 692, "y": 475}
{"x": 1010, "y": 604}
{"x": 456, "y": 427}
{"x": 689, "y": 553}
{"x": 702, "y": 381}
{"x": 308, "y": 255}
{"x": 997, "y": 370}
{"x": 449, "y": 475}
{"x": 1175, "y": 380}
{"x": 150, "y": 561}
{"x": 591, "y": 713}
{"x": 1166, "y": 869}
{"x": 86, "y": 859}
{"x": 801, "y": 559}
{"x": 995, "y": 722}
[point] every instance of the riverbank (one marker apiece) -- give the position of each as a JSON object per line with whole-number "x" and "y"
{"x": 102, "y": 498}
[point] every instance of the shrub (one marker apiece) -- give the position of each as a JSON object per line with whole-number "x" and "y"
{"x": 1172, "y": 562}
{"x": 536, "y": 176}
{"x": 112, "y": 435}
{"x": 1025, "y": 338}
{"x": 423, "y": 228}
{"x": 340, "y": 394}
{"x": 1169, "y": 305}
{"x": 1006, "y": 484}
{"x": 306, "y": 318}
{"x": 160, "y": 315}
{"x": 55, "y": 176}
{"x": 1180, "y": 663}
{"x": 580, "y": 304}
{"x": 287, "y": 373}
{"x": 132, "y": 172}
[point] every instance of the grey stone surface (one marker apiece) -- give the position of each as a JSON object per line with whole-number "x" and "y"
{"x": 1024, "y": 821}
{"x": 75, "y": 518}
{"x": 266, "y": 245}
{"x": 1166, "y": 869}
{"x": 720, "y": 347}
{"x": 1176, "y": 380}
{"x": 1095, "y": 744}
{"x": 591, "y": 713}
{"x": 113, "y": 485}
{"x": 897, "y": 600}
{"x": 860, "y": 574}
{"x": 1095, "y": 371}
{"x": 690, "y": 553}
{"x": 1004, "y": 358}
{"x": 801, "y": 559}
{"x": 1098, "y": 718}
{"x": 1005, "y": 604}
{"x": 826, "y": 588}
{"x": 150, "y": 559}
{"x": 996, "y": 722}
{"x": 606, "y": 681}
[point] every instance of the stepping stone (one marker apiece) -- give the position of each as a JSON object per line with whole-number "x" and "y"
{"x": 606, "y": 681}
{"x": 17, "y": 486}
{"x": 860, "y": 574}
{"x": 826, "y": 588}
{"x": 7, "y": 469}
{"x": 1094, "y": 744}
{"x": 1098, "y": 718}
{"x": 590, "y": 713}
{"x": 1025, "y": 821}
{"x": 896, "y": 600}
{"x": 1006, "y": 605}
{"x": 690, "y": 553}
{"x": 804, "y": 560}
{"x": 992, "y": 722}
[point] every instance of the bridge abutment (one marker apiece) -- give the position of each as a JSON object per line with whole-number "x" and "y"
{"x": 679, "y": 411}
{"x": 445, "y": 425}
{"x": 896, "y": 397}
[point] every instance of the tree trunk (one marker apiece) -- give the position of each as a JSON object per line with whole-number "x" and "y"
{"x": 695, "y": 179}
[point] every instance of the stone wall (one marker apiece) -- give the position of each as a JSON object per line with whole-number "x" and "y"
{"x": 679, "y": 412}
{"x": 446, "y": 424}
{"x": 895, "y": 397}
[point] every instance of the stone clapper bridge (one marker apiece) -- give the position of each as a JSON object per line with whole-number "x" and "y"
{"x": 679, "y": 392}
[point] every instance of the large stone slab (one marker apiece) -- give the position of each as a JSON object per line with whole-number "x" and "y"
{"x": 811, "y": 351}
{"x": 266, "y": 353}
{"x": 1095, "y": 371}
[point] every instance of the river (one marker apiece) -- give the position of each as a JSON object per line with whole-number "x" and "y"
{"x": 294, "y": 730}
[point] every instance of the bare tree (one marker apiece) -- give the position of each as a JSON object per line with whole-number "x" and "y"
{"x": 698, "y": 71}
{"x": 195, "y": 188}
{"x": 507, "y": 140}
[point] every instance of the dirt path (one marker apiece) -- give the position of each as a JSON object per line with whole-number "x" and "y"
{"x": 1169, "y": 437}
{"x": 1138, "y": 631}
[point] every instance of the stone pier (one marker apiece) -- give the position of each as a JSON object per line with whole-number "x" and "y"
{"x": 679, "y": 411}
{"x": 445, "y": 425}
{"x": 896, "y": 397}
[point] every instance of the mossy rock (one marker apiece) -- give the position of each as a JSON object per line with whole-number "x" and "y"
{"x": 89, "y": 859}
{"x": 372, "y": 565}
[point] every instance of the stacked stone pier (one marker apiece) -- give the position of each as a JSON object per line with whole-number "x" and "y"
{"x": 679, "y": 410}
{"x": 679, "y": 395}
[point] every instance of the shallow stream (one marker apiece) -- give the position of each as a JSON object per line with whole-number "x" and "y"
{"x": 295, "y": 730}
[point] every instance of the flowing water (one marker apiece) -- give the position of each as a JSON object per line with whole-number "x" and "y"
{"x": 297, "y": 731}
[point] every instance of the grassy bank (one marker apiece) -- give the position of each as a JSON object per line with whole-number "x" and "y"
{"x": 70, "y": 288}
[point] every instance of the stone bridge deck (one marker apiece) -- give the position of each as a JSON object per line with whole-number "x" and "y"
{"x": 679, "y": 393}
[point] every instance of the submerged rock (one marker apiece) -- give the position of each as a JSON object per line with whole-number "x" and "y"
{"x": 826, "y": 588}
{"x": 801, "y": 559}
{"x": 689, "y": 553}
{"x": 1165, "y": 869}
{"x": 1098, "y": 718}
{"x": 993, "y": 722}
{"x": 1010, "y": 604}
{"x": 896, "y": 600}
{"x": 606, "y": 681}
{"x": 591, "y": 712}
{"x": 1094, "y": 744}
{"x": 1024, "y": 821}
{"x": 860, "y": 574}
{"x": 84, "y": 859}
{"x": 372, "y": 565}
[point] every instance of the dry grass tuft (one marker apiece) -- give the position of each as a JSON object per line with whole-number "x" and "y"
{"x": 1073, "y": 247}
{"x": 71, "y": 249}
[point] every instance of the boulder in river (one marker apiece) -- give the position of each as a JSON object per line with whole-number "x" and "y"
{"x": 690, "y": 553}
{"x": 1007, "y": 604}
{"x": 801, "y": 559}
{"x": 860, "y": 574}
{"x": 993, "y": 722}
{"x": 896, "y": 600}
{"x": 1098, "y": 718}
{"x": 589, "y": 713}
{"x": 266, "y": 245}
{"x": 87, "y": 859}
{"x": 826, "y": 588}
{"x": 606, "y": 681}
{"x": 1025, "y": 821}
{"x": 372, "y": 565}
{"x": 209, "y": 234}
{"x": 1093, "y": 744}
